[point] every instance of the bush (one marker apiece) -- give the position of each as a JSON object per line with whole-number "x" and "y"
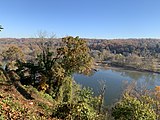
{"x": 130, "y": 108}
{"x": 82, "y": 107}
{"x": 75, "y": 111}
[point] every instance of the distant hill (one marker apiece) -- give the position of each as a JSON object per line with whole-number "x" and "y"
{"x": 118, "y": 46}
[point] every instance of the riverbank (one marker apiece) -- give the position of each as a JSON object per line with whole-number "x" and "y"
{"x": 115, "y": 66}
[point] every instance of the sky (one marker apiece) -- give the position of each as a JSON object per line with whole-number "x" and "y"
{"x": 105, "y": 19}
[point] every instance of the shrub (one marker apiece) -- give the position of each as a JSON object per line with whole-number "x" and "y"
{"x": 82, "y": 107}
{"x": 130, "y": 108}
{"x": 75, "y": 111}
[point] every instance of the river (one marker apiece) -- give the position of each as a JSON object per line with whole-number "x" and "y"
{"x": 115, "y": 80}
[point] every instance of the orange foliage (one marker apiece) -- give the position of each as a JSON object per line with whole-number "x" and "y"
{"x": 157, "y": 91}
{"x": 157, "y": 88}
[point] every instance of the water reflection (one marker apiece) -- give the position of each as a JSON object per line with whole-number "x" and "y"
{"x": 150, "y": 79}
{"x": 115, "y": 79}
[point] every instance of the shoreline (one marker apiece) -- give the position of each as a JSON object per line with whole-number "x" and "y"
{"x": 106, "y": 66}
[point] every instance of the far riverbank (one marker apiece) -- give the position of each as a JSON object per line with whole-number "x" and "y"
{"x": 116, "y": 66}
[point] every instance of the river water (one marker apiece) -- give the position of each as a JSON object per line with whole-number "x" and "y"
{"x": 115, "y": 80}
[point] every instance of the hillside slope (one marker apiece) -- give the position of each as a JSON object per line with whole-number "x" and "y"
{"x": 14, "y": 106}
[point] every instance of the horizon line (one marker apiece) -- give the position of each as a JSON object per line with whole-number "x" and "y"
{"x": 82, "y": 38}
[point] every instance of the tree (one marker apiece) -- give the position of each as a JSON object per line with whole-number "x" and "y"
{"x": 75, "y": 57}
{"x": 58, "y": 66}
{"x": 12, "y": 53}
{"x": 1, "y": 28}
{"x": 72, "y": 57}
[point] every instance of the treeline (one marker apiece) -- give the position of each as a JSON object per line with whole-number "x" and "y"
{"x": 29, "y": 46}
{"x": 141, "y": 54}
{"x": 141, "y": 47}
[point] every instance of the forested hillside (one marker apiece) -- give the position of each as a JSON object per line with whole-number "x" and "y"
{"x": 46, "y": 69}
{"x": 141, "y": 47}
{"x": 142, "y": 54}
{"x": 36, "y": 78}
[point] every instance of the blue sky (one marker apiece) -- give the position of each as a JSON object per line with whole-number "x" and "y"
{"x": 84, "y": 18}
